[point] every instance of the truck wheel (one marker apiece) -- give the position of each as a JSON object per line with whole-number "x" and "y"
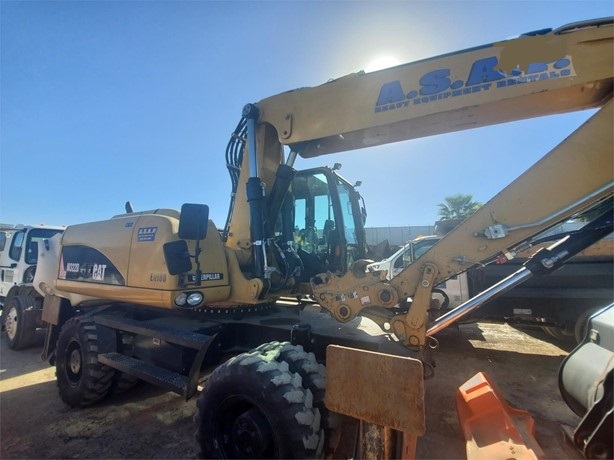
{"x": 253, "y": 406}
{"x": 581, "y": 325}
{"x": 82, "y": 380}
{"x": 558, "y": 333}
{"x": 18, "y": 332}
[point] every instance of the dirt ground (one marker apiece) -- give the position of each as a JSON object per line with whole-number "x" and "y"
{"x": 148, "y": 422}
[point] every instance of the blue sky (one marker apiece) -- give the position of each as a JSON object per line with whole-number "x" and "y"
{"x": 104, "y": 102}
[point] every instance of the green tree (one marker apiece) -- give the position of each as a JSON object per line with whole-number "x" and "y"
{"x": 458, "y": 207}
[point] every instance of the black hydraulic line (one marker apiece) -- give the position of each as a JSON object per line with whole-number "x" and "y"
{"x": 588, "y": 215}
{"x": 547, "y": 260}
{"x": 283, "y": 264}
{"x": 234, "y": 159}
{"x": 234, "y": 152}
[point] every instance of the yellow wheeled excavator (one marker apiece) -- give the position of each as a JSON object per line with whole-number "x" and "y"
{"x": 269, "y": 308}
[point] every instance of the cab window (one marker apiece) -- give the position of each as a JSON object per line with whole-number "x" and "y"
{"x": 36, "y": 236}
{"x": 17, "y": 245}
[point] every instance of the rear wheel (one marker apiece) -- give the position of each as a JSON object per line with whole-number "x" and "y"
{"x": 582, "y": 324}
{"x": 562, "y": 335}
{"x": 122, "y": 383}
{"x": 81, "y": 379}
{"x": 19, "y": 333}
{"x": 254, "y": 406}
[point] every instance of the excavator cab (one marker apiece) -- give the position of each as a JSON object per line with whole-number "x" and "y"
{"x": 327, "y": 220}
{"x": 287, "y": 225}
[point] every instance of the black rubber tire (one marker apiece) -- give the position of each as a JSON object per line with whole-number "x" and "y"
{"x": 19, "y": 334}
{"x": 253, "y": 406}
{"x": 312, "y": 373}
{"x": 446, "y": 299}
{"x": 581, "y": 324}
{"x": 557, "y": 333}
{"x": 123, "y": 382}
{"x": 81, "y": 379}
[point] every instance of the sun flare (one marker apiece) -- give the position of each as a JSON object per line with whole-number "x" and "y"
{"x": 382, "y": 62}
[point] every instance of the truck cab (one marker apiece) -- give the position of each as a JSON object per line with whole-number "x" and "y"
{"x": 21, "y": 305}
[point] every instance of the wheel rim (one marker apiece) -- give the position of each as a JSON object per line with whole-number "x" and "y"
{"x": 243, "y": 431}
{"x": 10, "y": 323}
{"x": 74, "y": 362}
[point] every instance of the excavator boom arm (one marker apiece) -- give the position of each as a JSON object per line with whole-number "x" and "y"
{"x": 571, "y": 178}
{"x": 565, "y": 70}
{"x": 568, "y": 69}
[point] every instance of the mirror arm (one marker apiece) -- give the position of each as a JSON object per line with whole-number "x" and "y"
{"x": 184, "y": 278}
{"x": 197, "y": 252}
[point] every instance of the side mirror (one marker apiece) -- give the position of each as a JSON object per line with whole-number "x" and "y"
{"x": 193, "y": 221}
{"x": 177, "y": 257}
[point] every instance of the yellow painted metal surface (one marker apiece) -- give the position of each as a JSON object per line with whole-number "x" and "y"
{"x": 131, "y": 248}
{"x": 457, "y": 91}
{"x": 574, "y": 175}
{"x": 453, "y": 92}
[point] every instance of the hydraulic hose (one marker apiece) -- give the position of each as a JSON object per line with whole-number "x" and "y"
{"x": 234, "y": 159}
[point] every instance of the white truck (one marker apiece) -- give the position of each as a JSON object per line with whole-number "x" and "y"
{"x": 21, "y": 305}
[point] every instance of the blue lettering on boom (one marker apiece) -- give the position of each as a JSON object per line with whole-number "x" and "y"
{"x": 437, "y": 85}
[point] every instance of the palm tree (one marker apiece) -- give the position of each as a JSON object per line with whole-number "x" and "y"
{"x": 458, "y": 207}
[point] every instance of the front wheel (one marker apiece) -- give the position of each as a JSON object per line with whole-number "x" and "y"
{"x": 254, "y": 406}
{"x": 81, "y": 379}
{"x": 19, "y": 333}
